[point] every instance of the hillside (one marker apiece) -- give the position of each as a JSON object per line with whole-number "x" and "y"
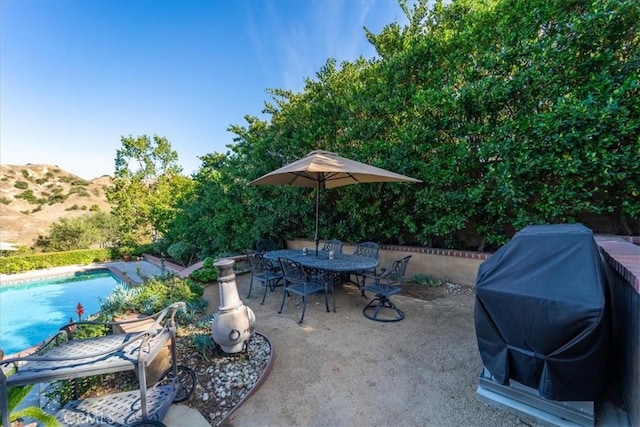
{"x": 32, "y": 197}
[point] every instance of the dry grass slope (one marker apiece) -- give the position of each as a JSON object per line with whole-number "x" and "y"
{"x": 32, "y": 197}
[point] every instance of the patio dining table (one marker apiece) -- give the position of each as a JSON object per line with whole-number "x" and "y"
{"x": 342, "y": 263}
{"x": 337, "y": 269}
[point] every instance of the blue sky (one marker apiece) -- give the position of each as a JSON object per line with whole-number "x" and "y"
{"x": 76, "y": 75}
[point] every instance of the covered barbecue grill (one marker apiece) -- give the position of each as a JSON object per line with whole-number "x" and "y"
{"x": 541, "y": 313}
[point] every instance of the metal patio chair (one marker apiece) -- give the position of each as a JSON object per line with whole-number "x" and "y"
{"x": 334, "y": 245}
{"x": 264, "y": 271}
{"x": 385, "y": 284}
{"x": 297, "y": 281}
{"x": 369, "y": 250}
{"x": 266, "y": 245}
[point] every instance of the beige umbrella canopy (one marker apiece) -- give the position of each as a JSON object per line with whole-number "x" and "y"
{"x": 324, "y": 169}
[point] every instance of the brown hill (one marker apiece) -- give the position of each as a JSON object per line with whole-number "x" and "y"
{"x": 32, "y": 197}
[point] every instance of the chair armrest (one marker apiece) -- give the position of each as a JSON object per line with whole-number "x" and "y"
{"x": 319, "y": 277}
{"x": 142, "y": 336}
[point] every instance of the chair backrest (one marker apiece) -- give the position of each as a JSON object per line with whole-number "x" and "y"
{"x": 334, "y": 245}
{"x": 265, "y": 245}
{"x": 395, "y": 273}
{"x": 257, "y": 262}
{"x": 292, "y": 271}
{"x": 367, "y": 249}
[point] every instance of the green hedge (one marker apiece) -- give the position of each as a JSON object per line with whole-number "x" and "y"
{"x": 22, "y": 263}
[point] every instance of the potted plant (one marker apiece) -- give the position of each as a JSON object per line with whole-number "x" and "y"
{"x": 126, "y": 251}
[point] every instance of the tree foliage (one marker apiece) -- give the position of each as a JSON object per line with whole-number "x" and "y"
{"x": 97, "y": 228}
{"x": 511, "y": 113}
{"x": 147, "y": 185}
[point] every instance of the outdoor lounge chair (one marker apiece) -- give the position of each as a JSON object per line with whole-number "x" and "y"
{"x": 389, "y": 282}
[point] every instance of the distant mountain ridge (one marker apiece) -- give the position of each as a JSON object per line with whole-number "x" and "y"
{"x": 32, "y": 197}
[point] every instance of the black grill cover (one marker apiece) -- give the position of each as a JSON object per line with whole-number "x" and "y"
{"x": 541, "y": 312}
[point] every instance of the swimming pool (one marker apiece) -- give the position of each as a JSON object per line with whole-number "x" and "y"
{"x": 33, "y": 311}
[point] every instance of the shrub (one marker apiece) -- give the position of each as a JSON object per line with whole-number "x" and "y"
{"x": 21, "y": 185}
{"x": 80, "y": 191}
{"x": 21, "y": 263}
{"x": 27, "y": 196}
{"x": 182, "y": 252}
{"x": 207, "y": 273}
{"x": 153, "y": 295}
{"x": 57, "y": 197}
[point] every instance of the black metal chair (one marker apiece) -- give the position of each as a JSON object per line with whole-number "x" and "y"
{"x": 334, "y": 245}
{"x": 264, "y": 271}
{"x": 389, "y": 282}
{"x": 297, "y": 281}
{"x": 266, "y": 245}
{"x": 369, "y": 250}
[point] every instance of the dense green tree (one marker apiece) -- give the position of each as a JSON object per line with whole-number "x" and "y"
{"x": 147, "y": 185}
{"x": 84, "y": 232}
{"x": 512, "y": 113}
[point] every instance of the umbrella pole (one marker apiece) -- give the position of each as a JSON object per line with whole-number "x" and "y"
{"x": 317, "y": 239}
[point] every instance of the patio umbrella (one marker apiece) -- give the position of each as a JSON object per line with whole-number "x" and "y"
{"x": 324, "y": 169}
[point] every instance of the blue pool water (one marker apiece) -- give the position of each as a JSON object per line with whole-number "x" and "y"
{"x": 32, "y": 312}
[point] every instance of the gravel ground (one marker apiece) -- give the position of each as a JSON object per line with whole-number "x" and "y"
{"x": 223, "y": 380}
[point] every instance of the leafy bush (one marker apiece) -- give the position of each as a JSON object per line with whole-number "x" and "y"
{"x": 427, "y": 280}
{"x": 21, "y": 185}
{"x": 56, "y": 197}
{"x": 80, "y": 191}
{"x": 207, "y": 273}
{"x": 153, "y": 295}
{"x": 182, "y": 251}
{"x": 16, "y": 396}
{"x": 74, "y": 180}
{"x": 27, "y": 196}
{"x": 21, "y": 263}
